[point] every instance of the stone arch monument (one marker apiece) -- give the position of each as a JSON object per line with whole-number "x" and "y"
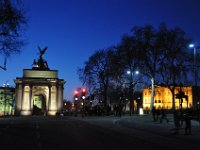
{"x": 39, "y": 91}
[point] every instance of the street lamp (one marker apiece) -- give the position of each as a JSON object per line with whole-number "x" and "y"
{"x": 194, "y": 63}
{"x": 137, "y": 72}
{"x": 131, "y": 92}
{"x": 195, "y": 75}
{"x": 130, "y": 72}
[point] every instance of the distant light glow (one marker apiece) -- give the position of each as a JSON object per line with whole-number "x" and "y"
{"x": 137, "y": 72}
{"x": 128, "y": 72}
{"x": 75, "y": 92}
{"x": 141, "y": 112}
{"x": 6, "y": 85}
{"x": 83, "y": 90}
{"x": 191, "y": 45}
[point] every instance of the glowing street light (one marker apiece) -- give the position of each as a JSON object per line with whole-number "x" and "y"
{"x": 194, "y": 63}
{"x": 129, "y": 72}
{"x": 131, "y": 89}
{"x": 195, "y": 74}
{"x": 137, "y": 72}
{"x": 191, "y": 45}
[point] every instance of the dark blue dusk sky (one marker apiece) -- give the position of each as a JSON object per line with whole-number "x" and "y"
{"x": 74, "y": 29}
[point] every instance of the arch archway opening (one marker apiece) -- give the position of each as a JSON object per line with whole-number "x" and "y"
{"x": 39, "y": 105}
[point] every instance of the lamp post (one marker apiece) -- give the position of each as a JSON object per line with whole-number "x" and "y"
{"x": 195, "y": 69}
{"x": 194, "y": 64}
{"x": 195, "y": 79}
{"x": 131, "y": 91}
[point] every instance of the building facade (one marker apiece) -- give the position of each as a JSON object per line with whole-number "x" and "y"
{"x": 163, "y": 98}
{"x": 7, "y": 102}
{"x": 39, "y": 91}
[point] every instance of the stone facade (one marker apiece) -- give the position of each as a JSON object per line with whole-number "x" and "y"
{"x": 163, "y": 98}
{"x": 39, "y": 83}
{"x": 7, "y": 100}
{"x": 39, "y": 91}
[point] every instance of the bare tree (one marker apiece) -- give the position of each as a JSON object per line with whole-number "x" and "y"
{"x": 177, "y": 59}
{"x": 12, "y": 21}
{"x": 96, "y": 72}
{"x": 159, "y": 54}
{"x": 128, "y": 60}
{"x": 151, "y": 55}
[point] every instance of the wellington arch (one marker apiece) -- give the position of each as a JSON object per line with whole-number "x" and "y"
{"x": 39, "y": 91}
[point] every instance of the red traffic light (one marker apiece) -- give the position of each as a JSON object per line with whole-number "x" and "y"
{"x": 76, "y": 95}
{"x": 76, "y": 92}
{"x": 83, "y": 90}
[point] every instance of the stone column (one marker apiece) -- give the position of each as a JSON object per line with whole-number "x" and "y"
{"x": 49, "y": 100}
{"x": 26, "y": 110}
{"x": 30, "y": 98}
{"x": 18, "y": 99}
{"x": 60, "y": 96}
{"x": 22, "y": 97}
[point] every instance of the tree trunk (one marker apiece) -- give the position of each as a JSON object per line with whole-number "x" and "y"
{"x": 105, "y": 96}
{"x": 175, "y": 113}
{"x": 152, "y": 93}
{"x": 173, "y": 99}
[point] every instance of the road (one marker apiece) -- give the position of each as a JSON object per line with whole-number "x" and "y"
{"x": 97, "y": 133}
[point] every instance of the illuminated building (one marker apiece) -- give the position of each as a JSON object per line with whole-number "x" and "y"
{"x": 39, "y": 91}
{"x": 6, "y": 100}
{"x": 163, "y": 97}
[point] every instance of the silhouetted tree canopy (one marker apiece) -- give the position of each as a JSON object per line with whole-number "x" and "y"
{"x": 97, "y": 72}
{"x": 160, "y": 54}
{"x": 12, "y": 23}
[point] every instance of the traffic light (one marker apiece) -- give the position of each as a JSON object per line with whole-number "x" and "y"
{"x": 76, "y": 95}
{"x": 83, "y": 91}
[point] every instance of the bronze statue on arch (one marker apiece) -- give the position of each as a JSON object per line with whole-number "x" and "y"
{"x": 41, "y": 64}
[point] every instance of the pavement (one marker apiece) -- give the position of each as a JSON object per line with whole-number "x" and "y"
{"x": 145, "y": 122}
{"x": 148, "y": 121}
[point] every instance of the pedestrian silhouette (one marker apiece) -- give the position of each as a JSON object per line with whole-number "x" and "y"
{"x": 187, "y": 117}
{"x": 176, "y": 121}
{"x": 157, "y": 114}
{"x": 163, "y": 116}
{"x": 154, "y": 113}
{"x": 181, "y": 118}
